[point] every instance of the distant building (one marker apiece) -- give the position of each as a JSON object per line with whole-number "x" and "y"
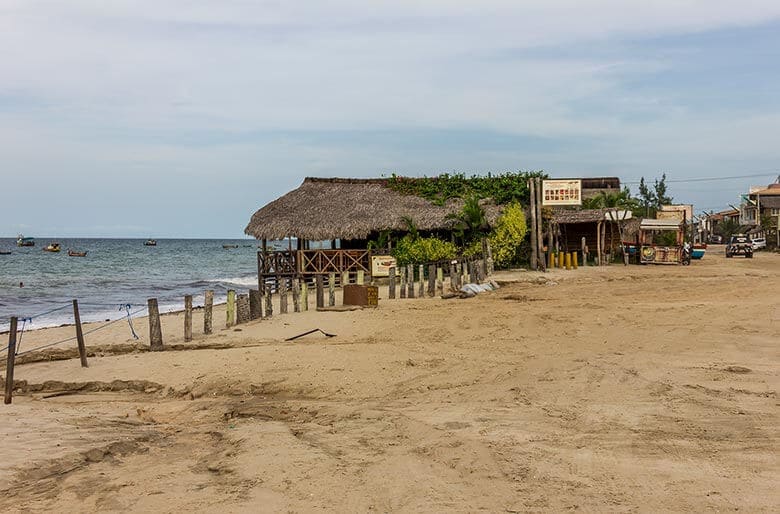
{"x": 761, "y": 204}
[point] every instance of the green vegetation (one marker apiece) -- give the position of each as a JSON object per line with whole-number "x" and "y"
{"x": 507, "y": 238}
{"x": 651, "y": 200}
{"x": 503, "y": 188}
{"x": 422, "y": 250}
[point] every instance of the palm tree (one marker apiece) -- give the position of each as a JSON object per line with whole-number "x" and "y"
{"x": 471, "y": 221}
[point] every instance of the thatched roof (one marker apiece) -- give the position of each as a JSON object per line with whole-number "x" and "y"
{"x": 344, "y": 208}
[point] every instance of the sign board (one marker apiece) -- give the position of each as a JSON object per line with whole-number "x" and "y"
{"x": 381, "y": 264}
{"x": 682, "y": 212}
{"x": 562, "y": 192}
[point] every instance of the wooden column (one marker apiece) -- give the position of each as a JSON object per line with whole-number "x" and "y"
{"x": 550, "y": 226}
{"x": 9, "y": 363}
{"x": 255, "y": 304}
{"x": 269, "y": 304}
{"x": 391, "y": 283}
{"x": 296, "y": 294}
{"x": 188, "y": 318}
{"x": 283, "y": 296}
{"x": 331, "y": 289}
{"x": 534, "y": 244}
{"x": 79, "y": 335}
{"x": 155, "y": 329}
{"x": 539, "y": 236}
{"x": 320, "y": 292}
{"x": 208, "y": 306}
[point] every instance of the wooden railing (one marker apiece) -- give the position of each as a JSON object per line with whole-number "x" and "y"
{"x": 317, "y": 262}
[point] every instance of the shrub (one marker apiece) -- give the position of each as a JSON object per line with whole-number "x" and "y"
{"x": 507, "y": 237}
{"x": 422, "y": 250}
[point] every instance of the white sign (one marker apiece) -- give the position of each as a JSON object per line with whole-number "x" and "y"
{"x": 381, "y": 264}
{"x": 562, "y": 192}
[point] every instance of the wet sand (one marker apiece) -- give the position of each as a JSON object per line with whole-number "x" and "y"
{"x": 620, "y": 389}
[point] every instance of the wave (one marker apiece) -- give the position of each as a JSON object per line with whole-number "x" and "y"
{"x": 243, "y": 282}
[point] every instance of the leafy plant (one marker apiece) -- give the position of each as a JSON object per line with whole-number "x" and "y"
{"x": 471, "y": 222}
{"x": 503, "y": 188}
{"x": 423, "y": 250}
{"x": 508, "y": 236}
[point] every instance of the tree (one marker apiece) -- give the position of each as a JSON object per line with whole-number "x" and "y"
{"x": 660, "y": 192}
{"x": 647, "y": 198}
{"x": 471, "y": 222}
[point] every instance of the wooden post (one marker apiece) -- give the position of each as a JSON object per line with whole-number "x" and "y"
{"x": 489, "y": 267}
{"x": 208, "y": 306}
{"x": 155, "y": 329}
{"x": 403, "y": 282}
{"x": 598, "y": 243}
{"x": 320, "y": 292}
{"x": 269, "y": 303}
{"x": 344, "y": 278}
{"x": 391, "y": 284}
{"x": 283, "y": 296}
{"x": 242, "y": 309}
{"x": 534, "y": 244}
{"x": 431, "y": 280}
{"x": 9, "y": 366}
{"x": 550, "y": 226}
{"x": 561, "y": 259}
{"x": 361, "y": 277}
{"x": 584, "y": 252}
{"x": 454, "y": 276}
{"x": 440, "y": 280}
{"x": 421, "y": 290}
{"x": 472, "y": 272}
{"x": 230, "y": 309}
{"x": 332, "y": 288}
{"x": 410, "y": 280}
{"x": 187, "y": 318}
{"x": 574, "y": 263}
{"x": 539, "y": 221}
{"x": 79, "y": 335}
{"x": 255, "y": 304}
{"x": 304, "y": 295}
{"x": 464, "y": 277}
{"x": 568, "y": 260}
{"x": 296, "y": 294}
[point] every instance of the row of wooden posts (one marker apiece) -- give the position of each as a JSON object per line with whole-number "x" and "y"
{"x": 258, "y": 304}
{"x": 564, "y": 260}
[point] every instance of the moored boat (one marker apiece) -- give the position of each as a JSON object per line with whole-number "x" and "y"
{"x": 25, "y": 241}
{"x": 5, "y": 252}
{"x": 52, "y": 247}
{"x": 228, "y": 247}
{"x": 150, "y": 242}
{"x": 74, "y": 253}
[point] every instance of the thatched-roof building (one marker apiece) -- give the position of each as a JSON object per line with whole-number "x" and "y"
{"x": 350, "y": 209}
{"x": 600, "y": 229}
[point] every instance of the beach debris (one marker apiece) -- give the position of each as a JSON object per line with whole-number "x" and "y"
{"x": 472, "y": 290}
{"x": 310, "y": 332}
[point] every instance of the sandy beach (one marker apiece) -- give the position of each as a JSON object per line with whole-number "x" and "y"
{"x": 618, "y": 388}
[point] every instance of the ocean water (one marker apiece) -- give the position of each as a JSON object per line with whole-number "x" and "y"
{"x": 118, "y": 272}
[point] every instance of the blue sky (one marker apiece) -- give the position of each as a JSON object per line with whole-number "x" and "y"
{"x": 134, "y": 119}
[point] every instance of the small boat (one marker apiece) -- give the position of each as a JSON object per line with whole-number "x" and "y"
{"x": 5, "y": 252}
{"x": 52, "y": 247}
{"x": 150, "y": 242}
{"x": 228, "y": 247}
{"x": 74, "y": 253}
{"x": 698, "y": 250}
{"x": 25, "y": 241}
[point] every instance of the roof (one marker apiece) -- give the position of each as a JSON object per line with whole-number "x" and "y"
{"x": 664, "y": 224}
{"x": 771, "y": 190}
{"x": 346, "y": 208}
{"x": 770, "y": 202}
{"x": 564, "y": 217}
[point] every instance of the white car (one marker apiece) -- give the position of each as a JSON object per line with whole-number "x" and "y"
{"x": 759, "y": 243}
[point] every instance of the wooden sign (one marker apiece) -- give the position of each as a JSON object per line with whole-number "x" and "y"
{"x": 562, "y": 192}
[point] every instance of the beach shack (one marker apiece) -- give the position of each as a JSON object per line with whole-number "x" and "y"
{"x": 661, "y": 241}
{"x": 595, "y": 232}
{"x": 348, "y": 213}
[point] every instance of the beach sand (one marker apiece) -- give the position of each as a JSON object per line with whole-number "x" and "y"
{"x": 639, "y": 388}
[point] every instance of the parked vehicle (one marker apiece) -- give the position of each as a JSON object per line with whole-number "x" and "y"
{"x": 716, "y": 239}
{"x": 739, "y": 244}
{"x": 759, "y": 243}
